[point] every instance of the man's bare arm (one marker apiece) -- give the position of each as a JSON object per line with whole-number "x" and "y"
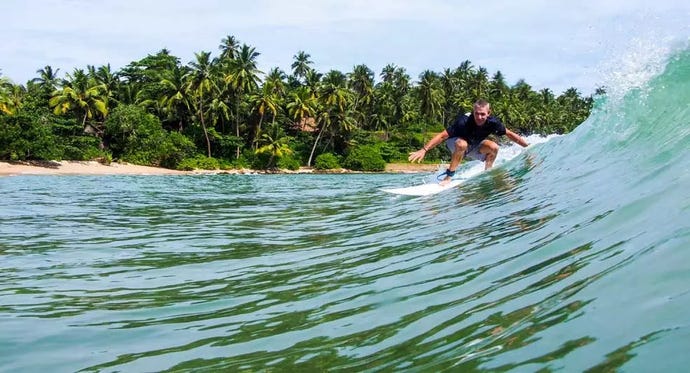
{"x": 419, "y": 154}
{"x": 514, "y": 137}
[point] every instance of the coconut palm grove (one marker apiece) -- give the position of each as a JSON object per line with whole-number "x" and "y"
{"x": 221, "y": 112}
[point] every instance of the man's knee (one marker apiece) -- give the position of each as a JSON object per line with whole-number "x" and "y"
{"x": 460, "y": 145}
{"x": 489, "y": 147}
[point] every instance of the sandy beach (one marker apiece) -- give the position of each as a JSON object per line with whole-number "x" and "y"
{"x": 80, "y": 168}
{"x": 96, "y": 168}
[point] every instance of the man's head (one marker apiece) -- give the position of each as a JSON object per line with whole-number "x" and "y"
{"x": 481, "y": 111}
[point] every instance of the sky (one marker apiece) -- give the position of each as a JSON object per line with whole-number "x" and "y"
{"x": 548, "y": 43}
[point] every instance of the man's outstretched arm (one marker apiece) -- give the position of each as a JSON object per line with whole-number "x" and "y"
{"x": 514, "y": 137}
{"x": 419, "y": 154}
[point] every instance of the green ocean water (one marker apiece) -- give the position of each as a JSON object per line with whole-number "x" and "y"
{"x": 573, "y": 256}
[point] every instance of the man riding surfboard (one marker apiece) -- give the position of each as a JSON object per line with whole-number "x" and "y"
{"x": 466, "y": 137}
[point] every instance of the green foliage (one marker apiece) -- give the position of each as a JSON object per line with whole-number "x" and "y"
{"x": 224, "y": 164}
{"x": 137, "y": 137}
{"x": 301, "y": 145}
{"x": 225, "y": 145}
{"x": 178, "y": 147}
{"x": 246, "y": 159}
{"x": 327, "y": 161}
{"x": 389, "y": 152}
{"x": 83, "y": 148}
{"x": 288, "y": 162}
{"x": 219, "y": 105}
{"x": 200, "y": 162}
{"x": 365, "y": 158}
{"x": 260, "y": 161}
{"x": 26, "y": 136}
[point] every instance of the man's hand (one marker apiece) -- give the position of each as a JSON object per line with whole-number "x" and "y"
{"x": 417, "y": 156}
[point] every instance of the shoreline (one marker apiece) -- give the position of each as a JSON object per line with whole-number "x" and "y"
{"x": 95, "y": 168}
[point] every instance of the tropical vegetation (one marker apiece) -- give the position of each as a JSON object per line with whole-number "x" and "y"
{"x": 223, "y": 112}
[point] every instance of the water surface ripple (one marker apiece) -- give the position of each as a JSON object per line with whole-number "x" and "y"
{"x": 325, "y": 272}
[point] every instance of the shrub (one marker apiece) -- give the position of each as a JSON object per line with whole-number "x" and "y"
{"x": 327, "y": 161}
{"x": 177, "y": 148}
{"x": 83, "y": 148}
{"x": 200, "y": 162}
{"x": 136, "y": 136}
{"x": 365, "y": 158}
{"x": 288, "y": 163}
{"x": 389, "y": 152}
{"x": 27, "y": 136}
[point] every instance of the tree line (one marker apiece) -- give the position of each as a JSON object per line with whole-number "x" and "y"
{"x": 222, "y": 112}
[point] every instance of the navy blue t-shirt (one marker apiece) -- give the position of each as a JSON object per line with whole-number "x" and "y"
{"x": 466, "y": 128}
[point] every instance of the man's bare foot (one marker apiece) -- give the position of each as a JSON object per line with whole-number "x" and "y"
{"x": 445, "y": 181}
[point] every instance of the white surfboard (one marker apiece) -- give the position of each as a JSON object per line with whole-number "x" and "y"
{"x": 423, "y": 189}
{"x": 432, "y": 185}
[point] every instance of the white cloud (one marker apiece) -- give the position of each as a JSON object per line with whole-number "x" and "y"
{"x": 547, "y": 43}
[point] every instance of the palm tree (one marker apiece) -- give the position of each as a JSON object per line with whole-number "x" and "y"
{"x": 108, "y": 79}
{"x": 11, "y": 96}
{"x": 218, "y": 111}
{"x": 200, "y": 81}
{"x": 173, "y": 96}
{"x": 312, "y": 80}
{"x": 451, "y": 86}
{"x": 5, "y": 84}
{"x": 243, "y": 77}
{"x": 464, "y": 72}
{"x": 263, "y": 101}
{"x": 400, "y": 88}
{"x": 430, "y": 94}
{"x": 47, "y": 79}
{"x": 84, "y": 96}
{"x": 275, "y": 82}
{"x": 498, "y": 87}
{"x": 301, "y": 104}
{"x": 479, "y": 81}
{"x": 334, "y": 99}
{"x": 333, "y": 91}
{"x": 384, "y": 112}
{"x": 388, "y": 73}
{"x": 275, "y": 143}
{"x": 361, "y": 82}
{"x": 301, "y": 65}
{"x": 228, "y": 48}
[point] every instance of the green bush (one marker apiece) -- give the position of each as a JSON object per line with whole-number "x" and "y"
{"x": 27, "y": 136}
{"x": 200, "y": 162}
{"x": 288, "y": 163}
{"x": 365, "y": 158}
{"x": 389, "y": 152}
{"x": 327, "y": 161}
{"x": 177, "y": 148}
{"x": 137, "y": 137}
{"x": 225, "y": 165}
{"x": 83, "y": 148}
{"x": 246, "y": 159}
{"x": 259, "y": 161}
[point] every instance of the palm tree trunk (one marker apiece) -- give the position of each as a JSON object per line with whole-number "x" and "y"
{"x": 313, "y": 148}
{"x": 237, "y": 128}
{"x": 257, "y": 132}
{"x": 203, "y": 125}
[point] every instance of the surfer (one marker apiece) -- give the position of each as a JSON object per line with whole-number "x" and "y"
{"x": 466, "y": 137}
